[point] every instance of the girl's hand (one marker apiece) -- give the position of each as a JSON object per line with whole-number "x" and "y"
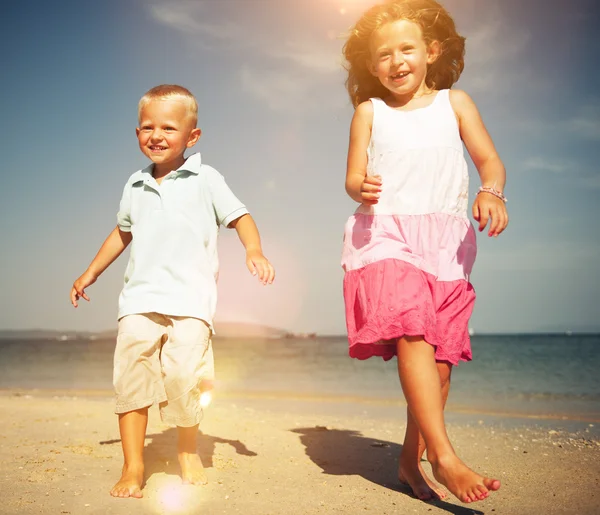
{"x": 486, "y": 207}
{"x": 370, "y": 189}
{"x": 259, "y": 265}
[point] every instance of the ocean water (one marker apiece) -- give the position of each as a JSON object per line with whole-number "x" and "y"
{"x": 553, "y": 376}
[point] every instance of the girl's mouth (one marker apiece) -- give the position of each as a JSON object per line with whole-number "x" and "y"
{"x": 399, "y": 76}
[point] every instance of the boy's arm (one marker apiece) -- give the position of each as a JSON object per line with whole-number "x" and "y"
{"x": 487, "y": 161}
{"x": 111, "y": 249}
{"x": 256, "y": 262}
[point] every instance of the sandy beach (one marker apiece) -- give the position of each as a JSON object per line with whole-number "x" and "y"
{"x": 60, "y": 454}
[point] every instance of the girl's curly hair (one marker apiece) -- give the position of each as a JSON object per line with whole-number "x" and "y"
{"x": 436, "y": 24}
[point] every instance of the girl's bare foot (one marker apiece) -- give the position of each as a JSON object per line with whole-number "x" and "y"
{"x": 192, "y": 470}
{"x": 465, "y": 484}
{"x": 130, "y": 484}
{"x": 415, "y": 477}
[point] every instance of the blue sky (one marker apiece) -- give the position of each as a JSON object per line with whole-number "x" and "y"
{"x": 275, "y": 118}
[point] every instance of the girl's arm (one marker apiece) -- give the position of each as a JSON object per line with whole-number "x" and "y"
{"x": 360, "y": 187}
{"x": 481, "y": 148}
{"x": 111, "y": 249}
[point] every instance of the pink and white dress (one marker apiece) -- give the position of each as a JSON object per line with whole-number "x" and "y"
{"x": 407, "y": 259}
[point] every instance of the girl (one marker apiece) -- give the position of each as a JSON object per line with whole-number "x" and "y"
{"x": 409, "y": 247}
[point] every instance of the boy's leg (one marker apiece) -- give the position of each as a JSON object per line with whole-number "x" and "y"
{"x": 138, "y": 384}
{"x": 192, "y": 470}
{"x": 187, "y": 361}
{"x": 420, "y": 382}
{"x": 132, "y": 426}
{"x": 410, "y": 470}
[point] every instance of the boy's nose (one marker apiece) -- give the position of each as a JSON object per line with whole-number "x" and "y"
{"x": 156, "y": 136}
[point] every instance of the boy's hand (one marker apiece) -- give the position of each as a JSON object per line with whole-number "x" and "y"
{"x": 370, "y": 189}
{"x": 259, "y": 265}
{"x": 486, "y": 207}
{"x": 79, "y": 286}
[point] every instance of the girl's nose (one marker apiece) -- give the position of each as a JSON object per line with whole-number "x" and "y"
{"x": 397, "y": 58}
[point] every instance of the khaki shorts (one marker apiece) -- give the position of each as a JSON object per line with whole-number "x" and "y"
{"x": 163, "y": 360}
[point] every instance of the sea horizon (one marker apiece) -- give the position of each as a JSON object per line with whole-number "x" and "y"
{"x": 277, "y": 332}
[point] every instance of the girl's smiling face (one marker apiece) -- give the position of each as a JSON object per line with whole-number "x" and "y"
{"x": 400, "y": 56}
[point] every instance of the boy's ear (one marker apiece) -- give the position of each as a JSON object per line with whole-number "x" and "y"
{"x": 137, "y": 131}
{"x": 434, "y": 50}
{"x": 194, "y": 137}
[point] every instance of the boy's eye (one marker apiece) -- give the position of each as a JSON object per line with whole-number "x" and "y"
{"x": 408, "y": 48}
{"x": 170, "y": 128}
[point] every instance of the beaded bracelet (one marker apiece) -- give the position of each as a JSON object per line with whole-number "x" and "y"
{"x": 494, "y": 192}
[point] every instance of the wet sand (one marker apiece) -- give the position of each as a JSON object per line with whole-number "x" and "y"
{"x": 271, "y": 455}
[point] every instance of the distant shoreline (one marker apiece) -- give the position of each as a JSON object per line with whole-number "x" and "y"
{"x": 246, "y": 331}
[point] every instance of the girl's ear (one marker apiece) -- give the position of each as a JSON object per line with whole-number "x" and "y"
{"x": 371, "y": 67}
{"x": 434, "y": 49}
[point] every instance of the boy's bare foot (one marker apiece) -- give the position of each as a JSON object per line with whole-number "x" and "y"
{"x": 130, "y": 484}
{"x": 415, "y": 477}
{"x": 192, "y": 470}
{"x": 465, "y": 484}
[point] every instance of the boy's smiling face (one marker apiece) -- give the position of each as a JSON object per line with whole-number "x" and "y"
{"x": 166, "y": 129}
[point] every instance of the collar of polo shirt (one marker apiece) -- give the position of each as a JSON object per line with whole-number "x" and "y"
{"x": 192, "y": 165}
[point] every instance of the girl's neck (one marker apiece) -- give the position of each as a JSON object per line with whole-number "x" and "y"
{"x": 404, "y": 100}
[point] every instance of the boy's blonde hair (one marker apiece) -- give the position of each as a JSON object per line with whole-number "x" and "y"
{"x": 170, "y": 91}
{"x": 436, "y": 25}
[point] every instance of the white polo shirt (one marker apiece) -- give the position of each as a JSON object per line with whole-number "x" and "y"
{"x": 173, "y": 264}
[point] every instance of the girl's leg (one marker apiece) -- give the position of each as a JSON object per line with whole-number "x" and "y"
{"x": 132, "y": 426}
{"x": 420, "y": 382}
{"x": 410, "y": 470}
{"x": 192, "y": 471}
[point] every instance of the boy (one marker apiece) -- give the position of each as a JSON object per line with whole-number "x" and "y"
{"x": 170, "y": 212}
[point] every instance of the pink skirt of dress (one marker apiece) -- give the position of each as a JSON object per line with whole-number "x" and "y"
{"x": 387, "y": 298}
{"x": 408, "y": 302}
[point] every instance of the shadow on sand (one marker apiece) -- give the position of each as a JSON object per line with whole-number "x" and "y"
{"x": 160, "y": 454}
{"x": 344, "y": 452}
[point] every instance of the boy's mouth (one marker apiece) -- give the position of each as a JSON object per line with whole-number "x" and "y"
{"x": 157, "y": 148}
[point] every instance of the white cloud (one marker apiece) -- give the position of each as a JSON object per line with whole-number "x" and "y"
{"x": 289, "y": 66}
{"x": 542, "y": 256}
{"x": 317, "y": 56}
{"x": 545, "y": 164}
{"x": 581, "y": 174}
{"x": 592, "y": 180}
{"x": 492, "y": 47}
{"x": 292, "y": 90}
{"x": 587, "y": 123}
{"x": 494, "y": 43}
{"x": 274, "y": 88}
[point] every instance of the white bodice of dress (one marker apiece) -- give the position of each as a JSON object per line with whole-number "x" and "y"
{"x": 419, "y": 155}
